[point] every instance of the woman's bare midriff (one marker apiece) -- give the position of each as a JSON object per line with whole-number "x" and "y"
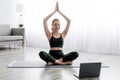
{"x": 56, "y": 48}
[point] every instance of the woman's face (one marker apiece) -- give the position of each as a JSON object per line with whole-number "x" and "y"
{"x": 56, "y": 25}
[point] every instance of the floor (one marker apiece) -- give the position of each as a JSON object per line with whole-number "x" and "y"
{"x": 31, "y": 54}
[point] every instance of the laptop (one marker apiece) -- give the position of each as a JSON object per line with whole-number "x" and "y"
{"x": 88, "y": 70}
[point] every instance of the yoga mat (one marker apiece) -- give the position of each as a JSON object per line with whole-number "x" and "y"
{"x": 37, "y": 64}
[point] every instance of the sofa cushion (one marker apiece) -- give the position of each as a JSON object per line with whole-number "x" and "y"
{"x": 5, "y": 30}
{"x": 10, "y": 38}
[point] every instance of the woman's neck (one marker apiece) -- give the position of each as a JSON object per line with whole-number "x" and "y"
{"x": 56, "y": 34}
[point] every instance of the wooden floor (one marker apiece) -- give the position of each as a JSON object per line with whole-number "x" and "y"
{"x": 31, "y": 54}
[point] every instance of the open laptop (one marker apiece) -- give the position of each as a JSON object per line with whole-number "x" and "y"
{"x": 88, "y": 70}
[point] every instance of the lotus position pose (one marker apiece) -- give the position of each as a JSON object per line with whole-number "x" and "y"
{"x": 56, "y": 40}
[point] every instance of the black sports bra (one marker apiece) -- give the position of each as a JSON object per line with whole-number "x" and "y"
{"x": 56, "y": 42}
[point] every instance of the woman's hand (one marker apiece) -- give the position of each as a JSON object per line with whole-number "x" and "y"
{"x": 57, "y": 7}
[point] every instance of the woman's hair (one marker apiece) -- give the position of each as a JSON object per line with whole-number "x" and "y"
{"x": 55, "y": 20}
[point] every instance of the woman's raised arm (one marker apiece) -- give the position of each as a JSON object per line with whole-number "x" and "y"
{"x": 47, "y": 32}
{"x": 65, "y": 31}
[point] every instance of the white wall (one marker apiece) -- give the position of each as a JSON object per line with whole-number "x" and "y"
{"x": 95, "y": 24}
{"x": 7, "y": 12}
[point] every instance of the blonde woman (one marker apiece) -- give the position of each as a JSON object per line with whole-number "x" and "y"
{"x": 56, "y": 41}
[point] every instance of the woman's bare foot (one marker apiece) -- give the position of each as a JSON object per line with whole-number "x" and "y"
{"x": 60, "y": 60}
{"x": 49, "y": 63}
{"x": 56, "y": 62}
{"x": 60, "y": 63}
{"x": 68, "y": 63}
{"x": 63, "y": 63}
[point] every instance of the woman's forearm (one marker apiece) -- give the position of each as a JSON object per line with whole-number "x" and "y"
{"x": 66, "y": 18}
{"x": 48, "y": 17}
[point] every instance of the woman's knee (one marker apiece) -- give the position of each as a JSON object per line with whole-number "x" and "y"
{"x": 42, "y": 53}
{"x": 70, "y": 56}
{"x": 75, "y": 54}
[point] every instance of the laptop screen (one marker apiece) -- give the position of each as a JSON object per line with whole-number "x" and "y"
{"x": 89, "y": 70}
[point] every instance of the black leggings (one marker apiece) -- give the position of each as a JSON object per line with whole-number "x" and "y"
{"x": 57, "y": 54}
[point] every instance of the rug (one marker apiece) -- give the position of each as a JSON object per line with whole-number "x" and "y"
{"x": 37, "y": 64}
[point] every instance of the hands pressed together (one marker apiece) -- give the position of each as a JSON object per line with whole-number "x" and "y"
{"x": 57, "y": 8}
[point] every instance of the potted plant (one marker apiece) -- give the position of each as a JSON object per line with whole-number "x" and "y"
{"x": 21, "y": 25}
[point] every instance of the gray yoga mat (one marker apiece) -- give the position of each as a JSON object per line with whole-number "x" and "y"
{"x": 37, "y": 64}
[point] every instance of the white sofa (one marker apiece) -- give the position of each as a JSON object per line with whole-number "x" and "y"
{"x": 11, "y": 36}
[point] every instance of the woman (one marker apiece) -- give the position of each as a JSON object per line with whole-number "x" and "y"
{"x": 56, "y": 39}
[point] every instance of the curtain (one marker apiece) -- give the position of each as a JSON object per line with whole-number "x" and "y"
{"x": 95, "y": 24}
